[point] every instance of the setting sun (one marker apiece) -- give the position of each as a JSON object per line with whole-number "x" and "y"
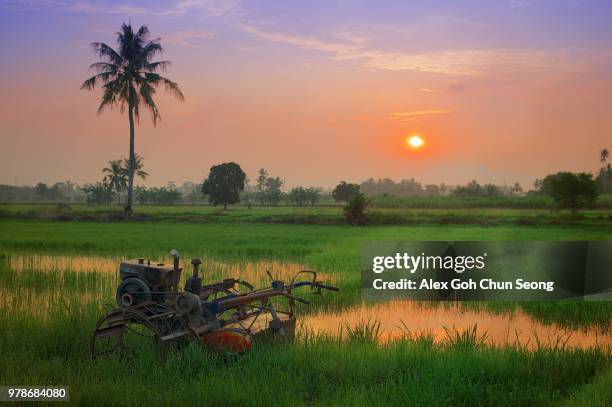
{"x": 415, "y": 141}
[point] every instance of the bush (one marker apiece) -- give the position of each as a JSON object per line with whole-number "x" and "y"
{"x": 354, "y": 211}
{"x": 573, "y": 191}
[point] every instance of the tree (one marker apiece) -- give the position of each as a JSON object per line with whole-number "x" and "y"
{"x": 48, "y": 193}
{"x": 603, "y": 155}
{"x": 224, "y": 184}
{"x": 116, "y": 177}
{"x": 572, "y": 191}
{"x": 98, "y": 193}
{"x": 491, "y": 190}
{"x": 273, "y": 191}
{"x": 298, "y": 196}
{"x": 137, "y": 170}
{"x": 129, "y": 79}
{"x": 354, "y": 211}
{"x": 473, "y": 188}
{"x": 42, "y": 190}
{"x": 604, "y": 178}
{"x": 345, "y": 191}
{"x": 312, "y": 195}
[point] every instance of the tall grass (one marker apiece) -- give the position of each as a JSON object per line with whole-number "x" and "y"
{"x": 47, "y": 316}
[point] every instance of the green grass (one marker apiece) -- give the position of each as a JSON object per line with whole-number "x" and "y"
{"x": 47, "y": 320}
{"x": 455, "y": 202}
{"x": 322, "y": 215}
{"x": 331, "y": 249}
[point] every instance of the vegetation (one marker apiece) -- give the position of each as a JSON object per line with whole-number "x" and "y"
{"x": 157, "y": 196}
{"x": 268, "y": 189}
{"x": 604, "y": 177}
{"x": 354, "y": 211}
{"x": 46, "y": 327}
{"x": 345, "y": 191}
{"x": 100, "y": 193}
{"x": 329, "y": 215}
{"x": 129, "y": 78}
{"x": 224, "y": 184}
{"x": 475, "y": 189}
{"x": 405, "y": 187}
{"x": 571, "y": 191}
{"x": 304, "y": 196}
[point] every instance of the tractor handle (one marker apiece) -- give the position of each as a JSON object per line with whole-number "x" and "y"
{"x": 315, "y": 285}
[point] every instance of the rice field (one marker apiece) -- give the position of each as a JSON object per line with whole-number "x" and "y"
{"x": 55, "y": 278}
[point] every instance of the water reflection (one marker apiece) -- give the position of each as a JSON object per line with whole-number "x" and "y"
{"x": 397, "y": 318}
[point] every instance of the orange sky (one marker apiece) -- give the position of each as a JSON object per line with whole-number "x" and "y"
{"x": 315, "y": 103}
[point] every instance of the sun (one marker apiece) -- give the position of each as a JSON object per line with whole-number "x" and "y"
{"x": 415, "y": 141}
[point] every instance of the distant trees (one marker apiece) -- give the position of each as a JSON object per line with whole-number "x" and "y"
{"x": 345, "y": 191}
{"x": 100, "y": 193}
{"x": 47, "y": 193}
{"x": 405, "y": 187}
{"x": 269, "y": 188}
{"x": 224, "y": 183}
{"x": 158, "y": 196}
{"x": 516, "y": 189}
{"x": 116, "y": 177}
{"x": 571, "y": 191}
{"x": 604, "y": 177}
{"x": 60, "y": 191}
{"x": 304, "y": 196}
{"x": 473, "y": 188}
{"x": 117, "y": 174}
{"x": 604, "y": 154}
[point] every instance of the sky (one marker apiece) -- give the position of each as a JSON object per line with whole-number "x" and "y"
{"x": 316, "y": 91}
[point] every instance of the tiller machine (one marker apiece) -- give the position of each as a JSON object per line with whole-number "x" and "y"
{"x": 225, "y": 316}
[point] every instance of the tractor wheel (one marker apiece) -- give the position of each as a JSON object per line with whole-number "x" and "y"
{"x": 132, "y": 291}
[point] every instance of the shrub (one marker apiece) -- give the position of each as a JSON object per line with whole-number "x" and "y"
{"x": 354, "y": 211}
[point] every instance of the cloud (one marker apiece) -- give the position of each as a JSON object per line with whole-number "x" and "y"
{"x": 536, "y": 3}
{"x": 213, "y": 8}
{"x": 187, "y": 38}
{"x": 408, "y": 116}
{"x": 469, "y": 62}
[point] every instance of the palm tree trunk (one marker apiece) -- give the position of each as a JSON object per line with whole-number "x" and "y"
{"x": 128, "y": 206}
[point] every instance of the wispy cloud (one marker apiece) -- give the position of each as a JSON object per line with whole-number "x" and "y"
{"x": 535, "y": 3}
{"x": 406, "y": 116}
{"x": 213, "y": 8}
{"x": 187, "y": 38}
{"x": 455, "y": 62}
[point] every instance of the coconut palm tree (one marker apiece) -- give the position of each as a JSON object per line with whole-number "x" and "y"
{"x": 116, "y": 176}
{"x": 129, "y": 79}
{"x": 138, "y": 165}
{"x": 603, "y": 155}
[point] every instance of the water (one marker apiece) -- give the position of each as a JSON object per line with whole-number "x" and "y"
{"x": 396, "y": 318}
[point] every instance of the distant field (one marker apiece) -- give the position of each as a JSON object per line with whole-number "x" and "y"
{"x": 454, "y": 202}
{"x": 323, "y": 215}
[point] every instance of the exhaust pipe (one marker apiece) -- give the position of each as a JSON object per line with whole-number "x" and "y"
{"x": 194, "y": 283}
